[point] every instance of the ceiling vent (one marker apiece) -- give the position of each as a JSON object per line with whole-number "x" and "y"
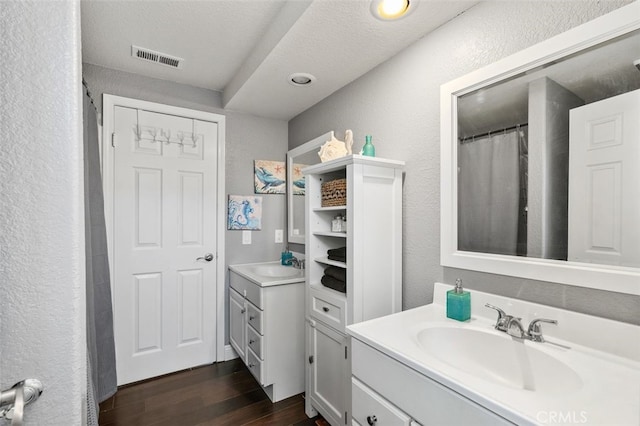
{"x": 157, "y": 57}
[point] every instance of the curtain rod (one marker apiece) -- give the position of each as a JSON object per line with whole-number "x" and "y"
{"x": 481, "y": 135}
{"x": 95, "y": 108}
{"x": 86, "y": 87}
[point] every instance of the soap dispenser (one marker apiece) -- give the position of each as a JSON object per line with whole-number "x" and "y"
{"x": 458, "y": 303}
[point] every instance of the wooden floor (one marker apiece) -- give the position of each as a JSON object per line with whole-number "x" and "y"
{"x": 220, "y": 394}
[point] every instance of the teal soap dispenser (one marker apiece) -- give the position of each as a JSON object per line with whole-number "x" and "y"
{"x": 458, "y": 303}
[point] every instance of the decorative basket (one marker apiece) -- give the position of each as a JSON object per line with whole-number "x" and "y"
{"x": 334, "y": 193}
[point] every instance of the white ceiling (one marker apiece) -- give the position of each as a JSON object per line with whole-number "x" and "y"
{"x": 246, "y": 49}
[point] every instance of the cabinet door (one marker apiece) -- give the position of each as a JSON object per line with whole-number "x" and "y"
{"x": 237, "y": 323}
{"x": 329, "y": 375}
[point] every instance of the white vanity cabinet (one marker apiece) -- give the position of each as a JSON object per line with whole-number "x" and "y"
{"x": 266, "y": 329}
{"x": 386, "y": 392}
{"x": 373, "y": 271}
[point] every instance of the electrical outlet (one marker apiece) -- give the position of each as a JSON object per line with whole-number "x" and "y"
{"x": 246, "y": 237}
{"x": 279, "y": 235}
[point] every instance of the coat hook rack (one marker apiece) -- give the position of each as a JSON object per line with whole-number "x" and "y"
{"x": 160, "y": 135}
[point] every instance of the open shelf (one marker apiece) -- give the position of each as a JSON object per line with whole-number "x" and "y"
{"x": 326, "y": 261}
{"x": 329, "y": 209}
{"x": 330, "y": 234}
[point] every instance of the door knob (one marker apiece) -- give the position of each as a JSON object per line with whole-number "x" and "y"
{"x": 208, "y": 257}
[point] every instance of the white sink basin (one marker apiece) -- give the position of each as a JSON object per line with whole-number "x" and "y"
{"x": 276, "y": 271}
{"x": 499, "y": 358}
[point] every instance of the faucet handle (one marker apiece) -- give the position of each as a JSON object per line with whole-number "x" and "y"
{"x": 503, "y": 318}
{"x": 534, "y": 332}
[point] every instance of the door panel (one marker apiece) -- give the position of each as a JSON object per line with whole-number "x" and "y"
{"x": 328, "y": 371}
{"x": 604, "y": 181}
{"x": 190, "y": 209}
{"x": 148, "y": 208}
{"x": 164, "y": 219}
{"x": 190, "y": 297}
{"x": 148, "y": 305}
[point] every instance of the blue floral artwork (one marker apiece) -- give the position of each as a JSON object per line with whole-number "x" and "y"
{"x": 269, "y": 177}
{"x": 244, "y": 212}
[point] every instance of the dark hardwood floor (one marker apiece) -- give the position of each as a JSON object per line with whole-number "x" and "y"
{"x": 219, "y": 394}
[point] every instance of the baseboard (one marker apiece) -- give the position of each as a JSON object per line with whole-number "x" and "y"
{"x": 229, "y": 353}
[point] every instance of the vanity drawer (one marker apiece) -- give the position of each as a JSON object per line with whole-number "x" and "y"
{"x": 255, "y": 365}
{"x": 254, "y": 341}
{"x": 328, "y": 310}
{"x": 371, "y": 408}
{"x": 254, "y": 318}
{"x": 250, "y": 290}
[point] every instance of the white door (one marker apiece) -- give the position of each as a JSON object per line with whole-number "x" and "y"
{"x": 164, "y": 225}
{"x": 604, "y": 181}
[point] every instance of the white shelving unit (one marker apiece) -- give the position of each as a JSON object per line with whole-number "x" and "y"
{"x": 373, "y": 271}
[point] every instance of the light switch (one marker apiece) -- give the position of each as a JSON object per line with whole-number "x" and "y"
{"x": 279, "y": 235}
{"x": 246, "y": 237}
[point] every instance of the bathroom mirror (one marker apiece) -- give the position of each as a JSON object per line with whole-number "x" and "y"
{"x": 298, "y": 158}
{"x": 541, "y": 160}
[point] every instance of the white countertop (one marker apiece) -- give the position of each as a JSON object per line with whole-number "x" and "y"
{"x": 610, "y": 389}
{"x": 266, "y": 274}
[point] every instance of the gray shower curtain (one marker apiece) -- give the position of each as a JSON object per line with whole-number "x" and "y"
{"x": 489, "y": 193}
{"x": 101, "y": 361}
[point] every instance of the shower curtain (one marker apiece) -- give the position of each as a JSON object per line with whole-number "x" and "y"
{"x": 489, "y": 193}
{"x": 101, "y": 361}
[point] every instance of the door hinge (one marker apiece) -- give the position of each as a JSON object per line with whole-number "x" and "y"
{"x": 311, "y": 359}
{"x": 113, "y": 139}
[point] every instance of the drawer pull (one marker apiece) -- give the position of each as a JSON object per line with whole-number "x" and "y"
{"x": 251, "y": 317}
{"x": 251, "y": 342}
{"x": 251, "y": 365}
{"x": 243, "y": 310}
{"x": 372, "y": 420}
{"x": 324, "y": 308}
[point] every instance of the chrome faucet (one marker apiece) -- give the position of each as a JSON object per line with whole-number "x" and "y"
{"x": 513, "y": 325}
{"x": 297, "y": 263}
{"x": 515, "y": 328}
{"x": 503, "y": 318}
{"x": 534, "y": 329}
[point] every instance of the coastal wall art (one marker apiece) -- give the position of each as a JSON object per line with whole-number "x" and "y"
{"x": 298, "y": 179}
{"x": 244, "y": 212}
{"x": 269, "y": 177}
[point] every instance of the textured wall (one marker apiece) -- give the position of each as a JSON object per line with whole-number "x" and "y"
{"x": 248, "y": 138}
{"x": 399, "y": 104}
{"x": 42, "y": 303}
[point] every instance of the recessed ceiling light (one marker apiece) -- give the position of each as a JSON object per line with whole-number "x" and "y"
{"x": 389, "y": 10}
{"x": 301, "y": 79}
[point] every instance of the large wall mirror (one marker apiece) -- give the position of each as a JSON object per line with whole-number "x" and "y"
{"x": 541, "y": 160}
{"x": 297, "y": 159}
